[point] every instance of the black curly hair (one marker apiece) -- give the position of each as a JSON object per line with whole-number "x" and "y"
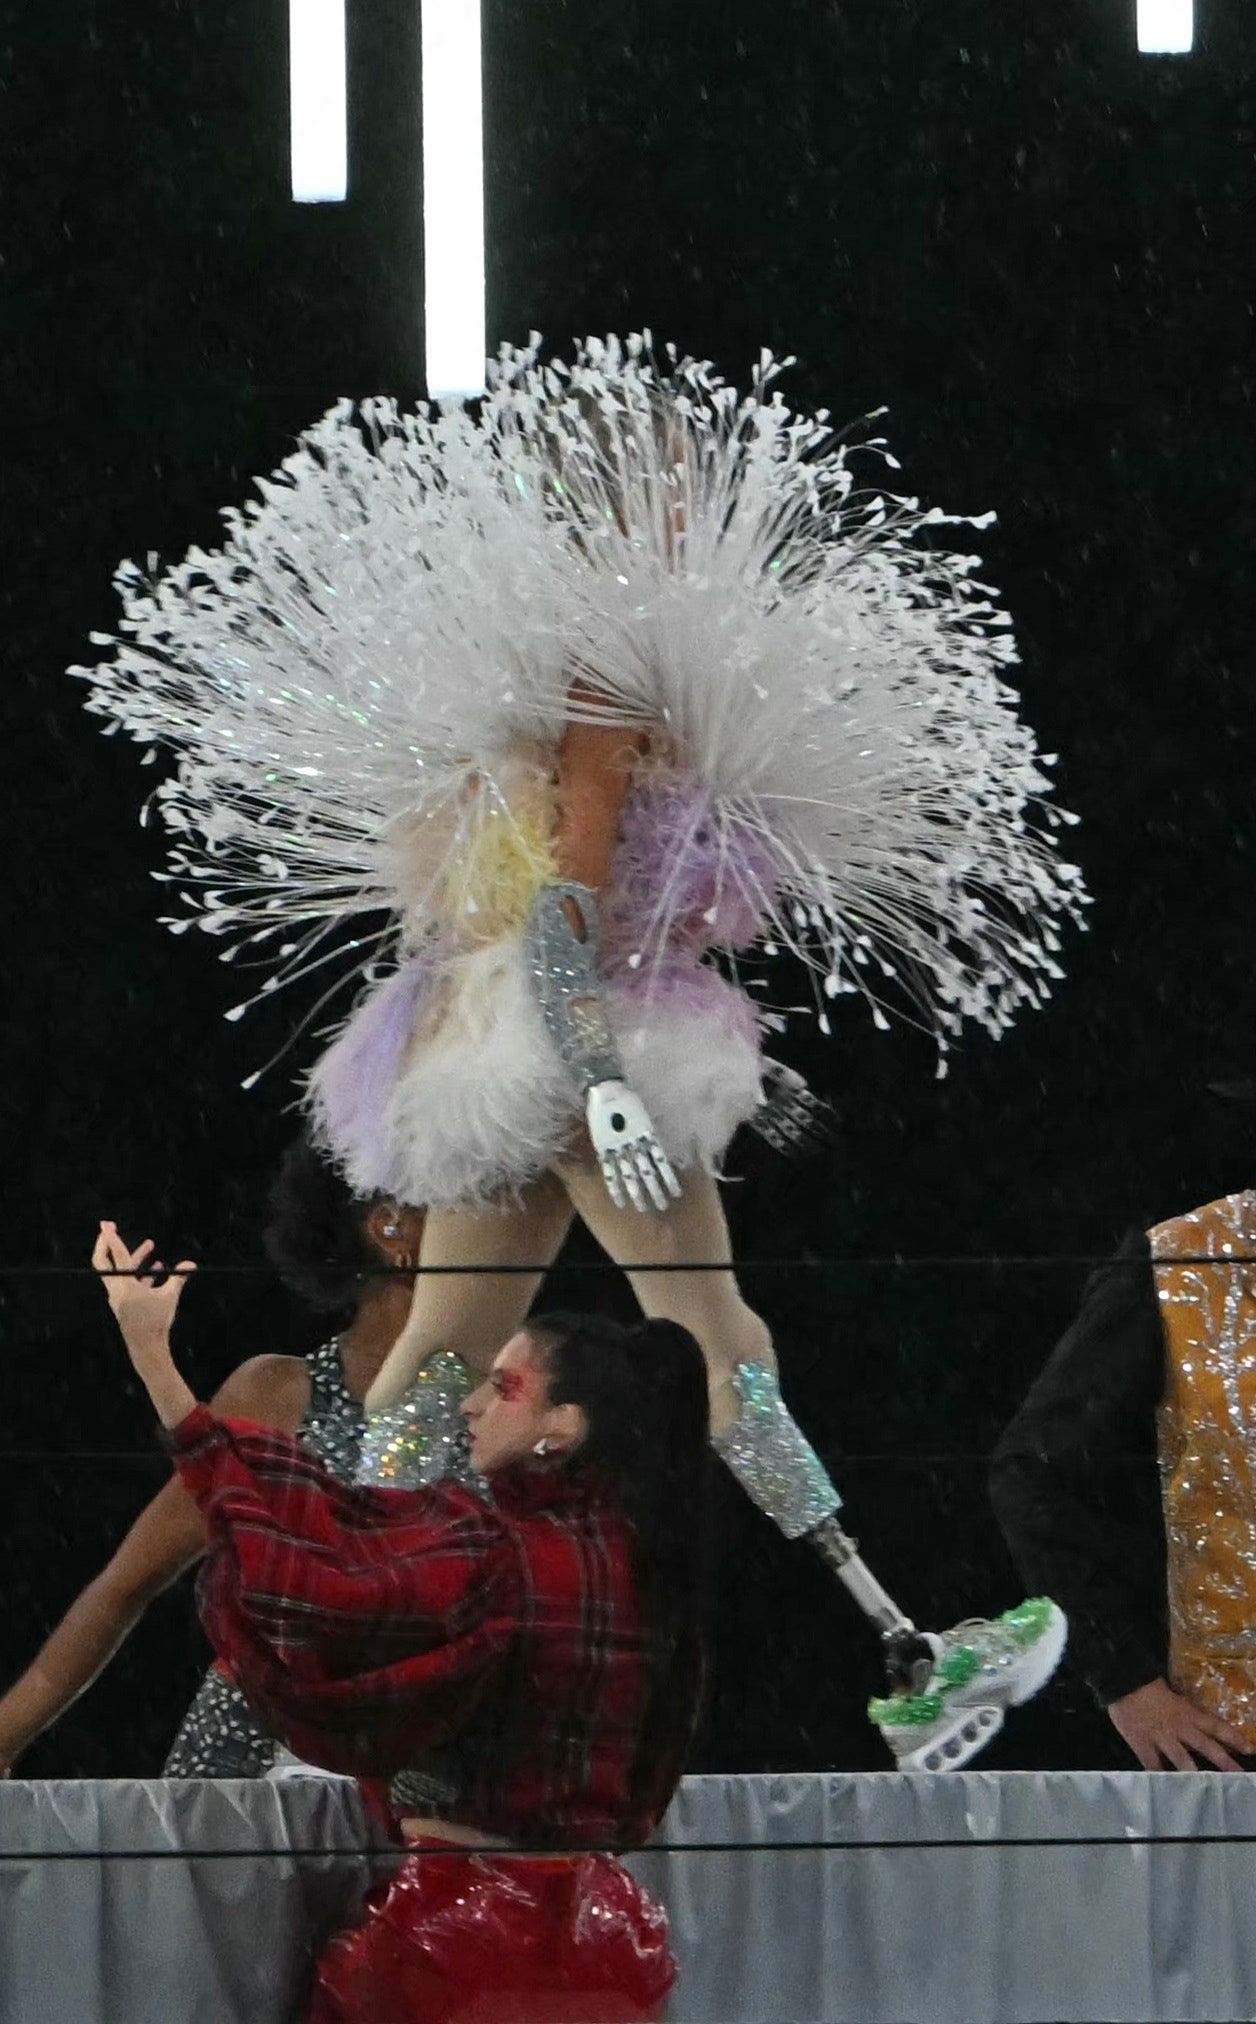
{"x": 315, "y": 1231}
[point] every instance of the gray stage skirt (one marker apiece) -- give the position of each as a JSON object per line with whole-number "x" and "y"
{"x": 974, "y": 1898}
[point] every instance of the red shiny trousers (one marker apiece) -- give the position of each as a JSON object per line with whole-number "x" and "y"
{"x": 457, "y": 1938}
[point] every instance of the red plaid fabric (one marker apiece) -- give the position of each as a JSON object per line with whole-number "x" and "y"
{"x": 370, "y": 1626}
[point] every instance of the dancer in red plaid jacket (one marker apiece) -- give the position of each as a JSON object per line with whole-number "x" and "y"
{"x": 543, "y": 1640}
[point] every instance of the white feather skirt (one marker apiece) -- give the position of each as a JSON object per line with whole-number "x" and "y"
{"x": 477, "y": 1101}
{"x": 348, "y": 679}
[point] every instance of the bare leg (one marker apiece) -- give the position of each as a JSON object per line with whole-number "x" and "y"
{"x": 474, "y": 1312}
{"x": 929, "y": 1722}
{"x": 692, "y": 1231}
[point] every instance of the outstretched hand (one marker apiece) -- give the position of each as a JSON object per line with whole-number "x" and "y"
{"x": 143, "y": 1309}
{"x": 144, "y": 1297}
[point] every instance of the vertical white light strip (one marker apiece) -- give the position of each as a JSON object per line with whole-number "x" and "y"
{"x": 316, "y": 70}
{"x": 453, "y": 197}
{"x": 1166, "y": 27}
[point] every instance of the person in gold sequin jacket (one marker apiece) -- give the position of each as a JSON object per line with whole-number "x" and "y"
{"x": 1125, "y": 1483}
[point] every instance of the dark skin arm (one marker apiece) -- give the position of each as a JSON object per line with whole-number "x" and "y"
{"x": 165, "y": 1540}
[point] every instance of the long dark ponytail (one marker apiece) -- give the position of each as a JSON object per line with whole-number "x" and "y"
{"x": 643, "y": 1392}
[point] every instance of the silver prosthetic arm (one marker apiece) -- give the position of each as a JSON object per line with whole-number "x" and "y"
{"x": 781, "y": 1472}
{"x": 562, "y": 950}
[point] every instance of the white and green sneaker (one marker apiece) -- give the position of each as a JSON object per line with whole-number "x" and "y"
{"x": 980, "y": 1669}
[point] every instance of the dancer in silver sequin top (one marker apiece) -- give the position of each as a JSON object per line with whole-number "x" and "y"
{"x": 419, "y": 1443}
{"x": 220, "y": 1737}
{"x": 324, "y": 1243}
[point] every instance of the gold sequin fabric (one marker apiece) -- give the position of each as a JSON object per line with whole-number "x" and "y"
{"x": 423, "y": 1438}
{"x": 1207, "y": 1424}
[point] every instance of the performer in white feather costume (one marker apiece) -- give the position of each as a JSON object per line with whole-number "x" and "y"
{"x": 554, "y": 702}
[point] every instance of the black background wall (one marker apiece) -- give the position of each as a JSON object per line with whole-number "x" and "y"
{"x": 1036, "y": 248}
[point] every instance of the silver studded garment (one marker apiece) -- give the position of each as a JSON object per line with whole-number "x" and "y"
{"x": 219, "y": 1736}
{"x": 1207, "y": 1443}
{"x": 772, "y": 1459}
{"x": 421, "y": 1440}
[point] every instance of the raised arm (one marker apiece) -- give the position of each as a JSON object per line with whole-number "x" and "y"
{"x": 165, "y": 1540}
{"x": 563, "y": 946}
{"x": 595, "y": 768}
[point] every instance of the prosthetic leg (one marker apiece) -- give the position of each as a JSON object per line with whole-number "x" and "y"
{"x": 948, "y": 1691}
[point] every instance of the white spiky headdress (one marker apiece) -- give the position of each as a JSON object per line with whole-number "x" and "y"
{"x": 411, "y": 593}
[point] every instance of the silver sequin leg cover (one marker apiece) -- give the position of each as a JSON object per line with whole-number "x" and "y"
{"x": 781, "y": 1472}
{"x": 423, "y": 1438}
{"x": 772, "y": 1458}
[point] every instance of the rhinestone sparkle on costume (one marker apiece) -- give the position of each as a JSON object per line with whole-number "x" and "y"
{"x": 567, "y": 974}
{"x": 219, "y": 1737}
{"x": 979, "y": 1654}
{"x": 420, "y": 1440}
{"x": 423, "y": 1438}
{"x": 334, "y": 1421}
{"x": 771, "y": 1458}
{"x": 1206, "y": 1429}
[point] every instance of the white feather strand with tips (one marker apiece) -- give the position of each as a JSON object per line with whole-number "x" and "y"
{"x": 413, "y": 596}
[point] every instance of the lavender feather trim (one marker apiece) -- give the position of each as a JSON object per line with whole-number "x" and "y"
{"x": 350, "y": 1088}
{"x": 482, "y": 1104}
{"x": 687, "y": 874}
{"x": 679, "y": 990}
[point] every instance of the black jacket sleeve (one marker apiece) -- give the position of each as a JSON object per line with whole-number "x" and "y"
{"x": 1075, "y": 1485}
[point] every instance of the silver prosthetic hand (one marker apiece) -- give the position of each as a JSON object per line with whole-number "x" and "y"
{"x": 562, "y": 950}
{"x": 780, "y": 1471}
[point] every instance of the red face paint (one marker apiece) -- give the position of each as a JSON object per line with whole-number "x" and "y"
{"x": 512, "y": 1384}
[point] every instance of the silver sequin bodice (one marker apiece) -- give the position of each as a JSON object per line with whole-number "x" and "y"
{"x": 423, "y": 1438}
{"x": 334, "y": 1422}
